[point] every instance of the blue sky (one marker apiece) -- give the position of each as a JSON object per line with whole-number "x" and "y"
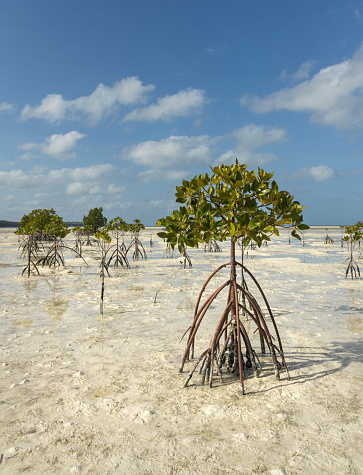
{"x": 112, "y": 103}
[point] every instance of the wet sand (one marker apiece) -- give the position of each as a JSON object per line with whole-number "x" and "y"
{"x": 85, "y": 393}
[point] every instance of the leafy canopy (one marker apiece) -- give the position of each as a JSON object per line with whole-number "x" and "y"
{"x": 94, "y": 220}
{"x": 117, "y": 224}
{"x": 231, "y": 203}
{"x": 136, "y": 226}
{"x": 43, "y": 221}
{"x": 353, "y": 233}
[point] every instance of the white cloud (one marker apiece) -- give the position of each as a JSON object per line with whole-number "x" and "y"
{"x": 92, "y": 173}
{"x": 304, "y": 70}
{"x": 6, "y": 107}
{"x": 184, "y": 103}
{"x": 157, "y": 174}
{"x": 302, "y": 73}
{"x": 252, "y": 137}
{"x": 76, "y": 188}
{"x": 76, "y": 179}
{"x": 113, "y": 189}
{"x": 170, "y": 158}
{"x": 318, "y": 173}
{"x": 248, "y": 140}
{"x": 17, "y": 179}
{"x": 98, "y": 105}
{"x": 321, "y": 172}
{"x": 174, "y": 150}
{"x": 57, "y": 145}
{"x": 333, "y": 96}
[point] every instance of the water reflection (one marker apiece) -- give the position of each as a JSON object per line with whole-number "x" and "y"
{"x": 355, "y": 323}
{"x": 55, "y": 306}
{"x": 25, "y": 322}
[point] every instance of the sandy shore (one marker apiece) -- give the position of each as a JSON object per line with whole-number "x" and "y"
{"x": 81, "y": 393}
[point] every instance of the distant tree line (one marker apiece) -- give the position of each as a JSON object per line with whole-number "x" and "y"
{"x": 14, "y": 224}
{"x": 8, "y": 224}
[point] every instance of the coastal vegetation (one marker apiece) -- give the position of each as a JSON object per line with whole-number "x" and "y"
{"x": 353, "y": 236}
{"x": 135, "y": 229}
{"x": 232, "y": 204}
{"x": 117, "y": 229}
{"x": 95, "y": 220}
{"x": 114, "y": 254}
{"x": 8, "y": 224}
{"x": 43, "y": 225}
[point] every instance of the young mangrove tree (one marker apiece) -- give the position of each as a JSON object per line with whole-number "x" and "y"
{"x": 231, "y": 204}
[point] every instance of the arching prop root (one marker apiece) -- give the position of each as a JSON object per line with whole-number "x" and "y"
{"x": 353, "y": 268}
{"x": 230, "y": 348}
{"x": 117, "y": 257}
{"x": 55, "y": 257}
{"x": 31, "y": 268}
{"x": 139, "y": 252}
{"x": 212, "y": 246}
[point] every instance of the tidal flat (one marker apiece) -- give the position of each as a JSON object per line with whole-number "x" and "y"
{"x": 88, "y": 393}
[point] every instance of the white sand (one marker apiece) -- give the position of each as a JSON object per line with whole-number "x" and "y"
{"x": 85, "y": 394}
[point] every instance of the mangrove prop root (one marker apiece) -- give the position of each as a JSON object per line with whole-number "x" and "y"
{"x": 353, "y": 268}
{"x": 139, "y": 252}
{"x": 236, "y": 353}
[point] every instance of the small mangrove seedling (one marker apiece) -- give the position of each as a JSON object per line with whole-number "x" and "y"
{"x": 169, "y": 251}
{"x": 135, "y": 229}
{"x": 117, "y": 228}
{"x": 352, "y": 238}
{"x": 104, "y": 241}
{"x": 82, "y": 238}
{"x": 187, "y": 260}
{"x": 341, "y": 239}
{"x": 168, "y": 278}
{"x": 212, "y": 246}
{"x": 328, "y": 239}
{"x": 233, "y": 203}
{"x": 29, "y": 250}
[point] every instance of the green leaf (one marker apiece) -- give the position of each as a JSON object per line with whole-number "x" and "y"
{"x": 303, "y": 227}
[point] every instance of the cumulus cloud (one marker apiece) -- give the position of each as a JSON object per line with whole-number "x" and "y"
{"x": 318, "y": 173}
{"x": 174, "y": 150}
{"x": 17, "y": 179}
{"x": 92, "y": 173}
{"x": 173, "y": 157}
{"x": 184, "y": 103}
{"x": 113, "y": 189}
{"x": 248, "y": 140}
{"x": 253, "y": 136}
{"x": 57, "y": 145}
{"x": 157, "y": 174}
{"x": 333, "y": 96}
{"x": 76, "y": 188}
{"x": 6, "y": 107}
{"x": 321, "y": 172}
{"x": 98, "y": 105}
{"x": 93, "y": 180}
{"x": 72, "y": 192}
{"x": 77, "y": 180}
